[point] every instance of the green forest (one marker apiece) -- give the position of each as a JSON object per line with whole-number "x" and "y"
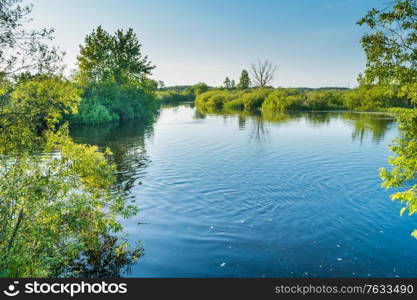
{"x": 60, "y": 205}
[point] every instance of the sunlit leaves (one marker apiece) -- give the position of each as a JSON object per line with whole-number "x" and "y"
{"x": 112, "y": 57}
{"x": 391, "y": 47}
{"x": 113, "y": 75}
{"x": 56, "y": 205}
{"x": 404, "y": 172}
{"x": 21, "y": 49}
{"x": 31, "y": 108}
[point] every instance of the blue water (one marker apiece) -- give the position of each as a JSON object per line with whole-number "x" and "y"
{"x": 241, "y": 196}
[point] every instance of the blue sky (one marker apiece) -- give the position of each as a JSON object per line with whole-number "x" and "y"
{"x": 314, "y": 42}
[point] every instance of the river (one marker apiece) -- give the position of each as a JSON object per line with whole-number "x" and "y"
{"x": 238, "y": 195}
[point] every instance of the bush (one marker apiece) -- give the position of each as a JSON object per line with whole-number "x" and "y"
{"x": 371, "y": 98}
{"x": 175, "y": 96}
{"x": 324, "y": 100}
{"x": 253, "y": 100}
{"x": 91, "y": 111}
{"x": 219, "y": 98}
{"x": 282, "y": 100}
{"x": 110, "y": 101}
{"x": 236, "y": 104}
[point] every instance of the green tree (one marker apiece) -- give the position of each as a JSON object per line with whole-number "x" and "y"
{"x": 200, "y": 88}
{"x": 58, "y": 198}
{"x": 391, "y": 54}
{"x": 21, "y": 49}
{"x": 244, "y": 80}
{"x": 232, "y": 84}
{"x": 112, "y": 57}
{"x": 56, "y": 207}
{"x": 227, "y": 83}
{"x": 391, "y": 48}
{"x": 113, "y": 74}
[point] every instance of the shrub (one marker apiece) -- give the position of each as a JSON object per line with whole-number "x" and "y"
{"x": 324, "y": 100}
{"x": 175, "y": 96}
{"x": 284, "y": 99}
{"x": 236, "y": 104}
{"x": 254, "y": 99}
{"x": 110, "y": 101}
{"x": 91, "y": 111}
{"x": 371, "y": 98}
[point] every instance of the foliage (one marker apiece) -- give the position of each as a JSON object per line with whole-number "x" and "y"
{"x": 391, "y": 54}
{"x": 390, "y": 48}
{"x": 218, "y": 98}
{"x": 371, "y": 99}
{"x": 181, "y": 93}
{"x": 112, "y": 57}
{"x": 92, "y": 111}
{"x": 33, "y": 52}
{"x": 113, "y": 76}
{"x": 244, "y": 80}
{"x": 283, "y": 99}
{"x": 253, "y": 100}
{"x": 55, "y": 206}
{"x": 33, "y": 106}
{"x": 229, "y": 84}
{"x": 59, "y": 204}
{"x": 170, "y": 96}
{"x": 404, "y": 164}
{"x": 200, "y": 88}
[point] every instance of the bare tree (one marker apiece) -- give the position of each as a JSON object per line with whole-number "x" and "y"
{"x": 263, "y": 73}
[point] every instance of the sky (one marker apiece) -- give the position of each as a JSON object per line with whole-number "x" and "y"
{"x": 315, "y": 43}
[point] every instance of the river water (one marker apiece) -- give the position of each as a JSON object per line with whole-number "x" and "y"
{"x": 236, "y": 195}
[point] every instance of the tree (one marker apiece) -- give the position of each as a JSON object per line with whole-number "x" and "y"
{"x": 263, "y": 73}
{"x": 233, "y": 84}
{"x": 244, "y": 80}
{"x": 200, "y": 88}
{"x": 227, "y": 83}
{"x": 23, "y": 50}
{"x": 55, "y": 208}
{"x": 112, "y": 57}
{"x": 161, "y": 84}
{"x": 113, "y": 74}
{"x": 58, "y": 199}
{"x": 391, "y": 48}
{"x": 391, "y": 52}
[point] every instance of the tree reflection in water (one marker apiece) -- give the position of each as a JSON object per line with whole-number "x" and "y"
{"x": 376, "y": 124}
{"x": 111, "y": 257}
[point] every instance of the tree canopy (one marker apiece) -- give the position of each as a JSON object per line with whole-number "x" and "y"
{"x": 244, "y": 80}
{"x": 391, "y": 51}
{"x": 21, "y": 49}
{"x": 112, "y": 57}
{"x": 391, "y": 48}
{"x": 59, "y": 201}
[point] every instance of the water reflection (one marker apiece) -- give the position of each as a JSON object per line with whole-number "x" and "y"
{"x": 247, "y": 190}
{"x": 126, "y": 141}
{"x": 362, "y": 124}
{"x": 110, "y": 258}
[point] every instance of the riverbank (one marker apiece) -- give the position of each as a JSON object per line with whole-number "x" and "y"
{"x": 270, "y": 100}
